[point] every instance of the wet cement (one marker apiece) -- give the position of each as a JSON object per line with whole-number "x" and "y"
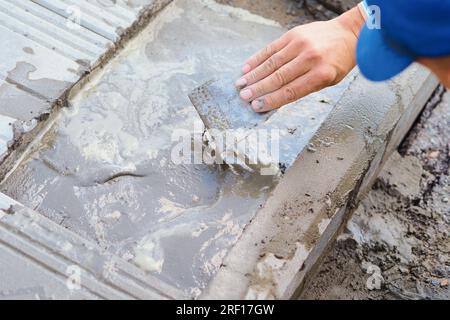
{"x": 104, "y": 169}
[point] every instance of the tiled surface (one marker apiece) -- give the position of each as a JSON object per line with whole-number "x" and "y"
{"x": 105, "y": 18}
{"x": 42, "y": 260}
{"x": 45, "y": 51}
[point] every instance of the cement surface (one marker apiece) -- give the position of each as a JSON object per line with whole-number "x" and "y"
{"x": 104, "y": 169}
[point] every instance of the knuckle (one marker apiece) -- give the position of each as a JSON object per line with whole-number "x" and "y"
{"x": 271, "y": 64}
{"x": 291, "y": 33}
{"x": 290, "y": 94}
{"x": 280, "y": 78}
{"x": 325, "y": 76}
{"x": 302, "y": 42}
{"x": 268, "y": 51}
{"x": 270, "y": 101}
{"x": 298, "y": 43}
{"x": 252, "y": 77}
{"x": 312, "y": 54}
{"x": 259, "y": 90}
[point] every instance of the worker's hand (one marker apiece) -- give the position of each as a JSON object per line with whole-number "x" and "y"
{"x": 304, "y": 60}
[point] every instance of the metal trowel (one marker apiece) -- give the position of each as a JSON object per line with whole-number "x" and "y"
{"x": 220, "y": 107}
{"x": 224, "y": 112}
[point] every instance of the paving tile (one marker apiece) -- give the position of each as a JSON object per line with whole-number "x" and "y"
{"x": 45, "y": 53}
{"x": 106, "y": 18}
{"x": 21, "y": 103}
{"x": 56, "y": 264}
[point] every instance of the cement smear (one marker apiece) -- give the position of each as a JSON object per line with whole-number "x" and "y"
{"x": 104, "y": 170}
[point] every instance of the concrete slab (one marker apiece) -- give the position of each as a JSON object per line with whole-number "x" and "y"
{"x": 175, "y": 221}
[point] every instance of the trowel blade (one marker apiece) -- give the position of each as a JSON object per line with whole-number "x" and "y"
{"x": 220, "y": 107}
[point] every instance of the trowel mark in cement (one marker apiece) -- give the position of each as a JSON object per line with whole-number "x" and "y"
{"x": 104, "y": 170}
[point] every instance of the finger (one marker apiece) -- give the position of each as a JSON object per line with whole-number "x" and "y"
{"x": 268, "y": 67}
{"x": 265, "y": 54}
{"x": 284, "y": 75}
{"x": 311, "y": 82}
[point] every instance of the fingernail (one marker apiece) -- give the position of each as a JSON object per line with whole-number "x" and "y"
{"x": 258, "y": 105}
{"x": 246, "y": 69}
{"x": 241, "y": 83}
{"x": 246, "y": 94}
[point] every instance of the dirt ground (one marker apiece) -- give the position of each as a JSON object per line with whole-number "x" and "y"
{"x": 291, "y": 13}
{"x": 397, "y": 245}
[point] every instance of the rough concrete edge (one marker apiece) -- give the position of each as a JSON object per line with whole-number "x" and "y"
{"x": 395, "y": 137}
{"x": 283, "y": 244}
{"x": 18, "y": 149}
{"x": 57, "y": 249}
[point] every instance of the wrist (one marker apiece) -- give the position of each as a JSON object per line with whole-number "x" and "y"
{"x": 352, "y": 20}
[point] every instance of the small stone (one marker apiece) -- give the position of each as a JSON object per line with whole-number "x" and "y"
{"x": 403, "y": 269}
{"x": 10, "y": 210}
{"x": 433, "y": 154}
{"x": 311, "y": 148}
{"x": 444, "y": 283}
{"x": 114, "y": 215}
{"x": 435, "y": 282}
{"x": 291, "y": 130}
{"x": 445, "y": 200}
{"x": 375, "y": 282}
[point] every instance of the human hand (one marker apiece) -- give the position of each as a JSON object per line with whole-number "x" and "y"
{"x": 304, "y": 60}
